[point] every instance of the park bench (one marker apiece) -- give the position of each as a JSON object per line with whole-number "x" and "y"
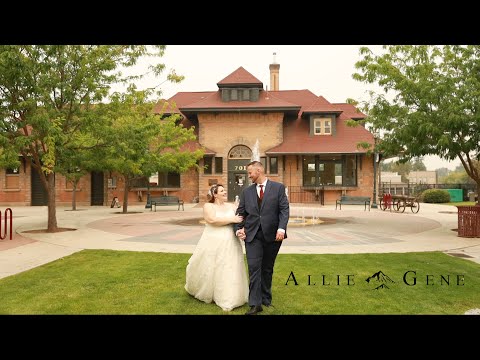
{"x": 166, "y": 200}
{"x": 353, "y": 200}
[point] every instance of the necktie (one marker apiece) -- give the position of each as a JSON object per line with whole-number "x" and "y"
{"x": 261, "y": 192}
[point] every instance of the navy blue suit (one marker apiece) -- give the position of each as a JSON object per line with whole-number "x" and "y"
{"x": 261, "y": 221}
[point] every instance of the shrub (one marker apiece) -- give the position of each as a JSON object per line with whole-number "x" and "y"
{"x": 436, "y": 196}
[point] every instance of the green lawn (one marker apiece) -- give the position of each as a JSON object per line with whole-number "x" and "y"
{"x": 123, "y": 282}
{"x": 462, "y": 203}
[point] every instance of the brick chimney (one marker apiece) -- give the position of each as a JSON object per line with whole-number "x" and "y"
{"x": 274, "y": 74}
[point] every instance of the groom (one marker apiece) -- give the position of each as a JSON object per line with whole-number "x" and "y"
{"x": 265, "y": 210}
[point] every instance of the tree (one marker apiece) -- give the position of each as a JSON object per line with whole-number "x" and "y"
{"x": 442, "y": 172}
{"x": 456, "y": 177}
{"x": 418, "y": 164}
{"x": 429, "y": 104}
{"x": 142, "y": 142}
{"x": 79, "y": 157}
{"x": 47, "y": 93}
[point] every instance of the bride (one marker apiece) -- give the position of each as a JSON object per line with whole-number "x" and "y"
{"x": 216, "y": 270}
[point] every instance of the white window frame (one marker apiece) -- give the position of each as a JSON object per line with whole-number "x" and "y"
{"x": 322, "y": 126}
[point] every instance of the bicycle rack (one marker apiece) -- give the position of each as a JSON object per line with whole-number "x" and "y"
{"x": 4, "y": 236}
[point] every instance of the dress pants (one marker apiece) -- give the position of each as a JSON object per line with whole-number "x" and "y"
{"x": 261, "y": 255}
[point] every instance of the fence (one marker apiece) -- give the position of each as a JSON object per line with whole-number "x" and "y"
{"x": 412, "y": 189}
{"x": 5, "y": 230}
{"x": 298, "y": 194}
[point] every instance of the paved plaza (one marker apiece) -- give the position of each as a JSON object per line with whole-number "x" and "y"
{"x": 312, "y": 230}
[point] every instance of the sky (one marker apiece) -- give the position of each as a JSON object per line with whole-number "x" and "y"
{"x": 325, "y": 70}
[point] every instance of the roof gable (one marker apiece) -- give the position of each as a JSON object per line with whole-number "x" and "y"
{"x": 322, "y": 105}
{"x": 240, "y": 77}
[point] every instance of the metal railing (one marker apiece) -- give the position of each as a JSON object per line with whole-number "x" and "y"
{"x": 302, "y": 195}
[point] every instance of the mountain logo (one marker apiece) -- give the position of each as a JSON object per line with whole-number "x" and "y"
{"x": 380, "y": 280}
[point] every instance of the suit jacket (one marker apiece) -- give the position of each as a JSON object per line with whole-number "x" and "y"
{"x": 272, "y": 214}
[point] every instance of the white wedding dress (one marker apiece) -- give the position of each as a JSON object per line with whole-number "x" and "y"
{"x": 216, "y": 270}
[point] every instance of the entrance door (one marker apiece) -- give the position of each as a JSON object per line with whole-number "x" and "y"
{"x": 238, "y": 159}
{"x": 238, "y": 183}
{"x": 237, "y": 177}
{"x": 97, "y": 188}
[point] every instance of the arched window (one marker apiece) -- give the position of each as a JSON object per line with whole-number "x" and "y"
{"x": 240, "y": 152}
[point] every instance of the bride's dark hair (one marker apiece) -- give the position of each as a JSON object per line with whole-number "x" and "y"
{"x": 213, "y": 190}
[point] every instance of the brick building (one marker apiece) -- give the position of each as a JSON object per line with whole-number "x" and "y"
{"x": 301, "y": 138}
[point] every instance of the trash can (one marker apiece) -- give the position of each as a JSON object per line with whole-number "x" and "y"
{"x": 472, "y": 196}
{"x": 469, "y": 221}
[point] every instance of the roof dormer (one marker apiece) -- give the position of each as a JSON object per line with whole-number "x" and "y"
{"x": 240, "y": 86}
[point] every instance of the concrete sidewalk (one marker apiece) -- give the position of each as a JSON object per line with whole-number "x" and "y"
{"x": 346, "y": 231}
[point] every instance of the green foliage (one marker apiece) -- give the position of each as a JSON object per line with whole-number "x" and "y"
{"x": 418, "y": 164}
{"x": 435, "y": 196}
{"x": 137, "y": 142}
{"x": 47, "y": 101}
{"x": 456, "y": 177}
{"x": 429, "y": 104}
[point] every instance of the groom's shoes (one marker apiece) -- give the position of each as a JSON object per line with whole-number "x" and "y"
{"x": 254, "y": 310}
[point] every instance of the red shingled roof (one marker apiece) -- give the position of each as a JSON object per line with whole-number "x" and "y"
{"x": 351, "y": 111}
{"x": 266, "y": 100}
{"x": 240, "y": 77}
{"x": 321, "y": 105}
{"x": 298, "y": 140}
{"x": 296, "y": 132}
{"x": 300, "y": 97}
{"x": 170, "y": 109}
{"x": 179, "y": 99}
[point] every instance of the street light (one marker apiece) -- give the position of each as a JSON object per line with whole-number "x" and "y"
{"x": 375, "y": 161}
{"x": 148, "y": 205}
{"x": 374, "y": 202}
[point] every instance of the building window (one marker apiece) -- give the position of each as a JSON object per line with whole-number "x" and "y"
{"x": 218, "y": 165}
{"x": 263, "y": 160}
{"x": 234, "y": 94}
{"x": 339, "y": 170}
{"x": 240, "y": 152}
{"x": 12, "y": 171}
{"x": 350, "y": 173}
{"x": 322, "y": 126}
{"x": 273, "y": 164}
{"x": 169, "y": 179}
{"x": 207, "y": 164}
{"x": 12, "y": 178}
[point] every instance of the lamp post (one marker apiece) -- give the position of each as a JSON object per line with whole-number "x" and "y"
{"x": 374, "y": 202}
{"x": 375, "y": 155}
{"x": 148, "y": 205}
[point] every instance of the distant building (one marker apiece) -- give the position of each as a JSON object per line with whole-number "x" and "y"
{"x": 390, "y": 177}
{"x": 423, "y": 177}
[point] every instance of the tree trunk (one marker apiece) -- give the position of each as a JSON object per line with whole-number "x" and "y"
{"x": 74, "y": 195}
{"x": 477, "y": 192}
{"x": 125, "y": 194}
{"x": 52, "y": 210}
